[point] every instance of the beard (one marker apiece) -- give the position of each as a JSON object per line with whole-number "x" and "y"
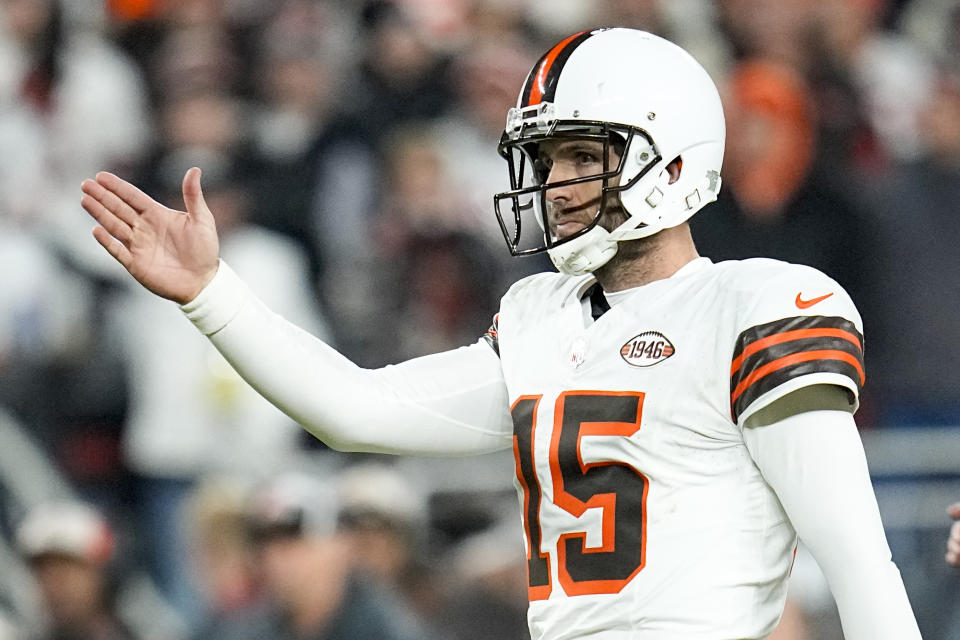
{"x": 612, "y": 216}
{"x": 615, "y": 215}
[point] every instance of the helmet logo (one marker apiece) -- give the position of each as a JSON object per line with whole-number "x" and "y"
{"x": 647, "y": 349}
{"x": 714, "y": 178}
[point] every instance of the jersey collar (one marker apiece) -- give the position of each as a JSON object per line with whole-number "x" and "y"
{"x": 585, "y": 287}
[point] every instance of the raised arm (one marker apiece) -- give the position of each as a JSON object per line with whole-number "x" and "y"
{"x": 453, "y": 403}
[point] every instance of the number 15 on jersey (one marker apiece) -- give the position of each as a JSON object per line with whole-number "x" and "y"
{"x": 613, "y": 486}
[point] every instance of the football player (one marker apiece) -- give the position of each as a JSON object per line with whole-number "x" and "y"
{"x": 676, "y": 423}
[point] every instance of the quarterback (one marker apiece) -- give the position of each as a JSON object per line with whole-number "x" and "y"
{"x": 677, "y": 424}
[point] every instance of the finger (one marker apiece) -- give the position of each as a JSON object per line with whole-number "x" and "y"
{"x": 193, "y": 195}
{"x": 113, "y": 246}
{"x": 953, "y": 559}
{"x": 111, "y": 222}
{"x": 110, "y": 201}
{"x": 132, "y": 196}
{"x": 954, "y": 510}
{"x": 953, "y": 545}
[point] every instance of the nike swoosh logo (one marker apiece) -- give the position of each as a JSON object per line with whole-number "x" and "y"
{"x": 806, "y": 304}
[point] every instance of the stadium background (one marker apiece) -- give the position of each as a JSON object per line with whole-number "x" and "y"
{"x": 348, "y": 151}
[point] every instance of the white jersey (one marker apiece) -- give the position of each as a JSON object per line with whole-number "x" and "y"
{"x": 645, "y": 516}
{"x": 654, "y": 504}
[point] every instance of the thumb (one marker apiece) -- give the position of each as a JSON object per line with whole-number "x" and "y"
{"x": 193, "y": 195}
{"x": 954, "y": 510}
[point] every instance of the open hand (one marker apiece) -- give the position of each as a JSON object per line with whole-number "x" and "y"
{"x": 172, "y": 253}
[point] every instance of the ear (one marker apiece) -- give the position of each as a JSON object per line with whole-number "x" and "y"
{"x": 674, "y": 169}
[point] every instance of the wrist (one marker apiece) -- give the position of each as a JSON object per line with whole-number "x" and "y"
{"x": 204, "y": 282}
{"x": 218, "y": 302}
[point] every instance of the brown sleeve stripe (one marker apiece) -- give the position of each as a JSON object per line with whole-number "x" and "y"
{"x": 787, "y": 336}
{"x": 769, "y": 355}
{"x": 796, "y": 358}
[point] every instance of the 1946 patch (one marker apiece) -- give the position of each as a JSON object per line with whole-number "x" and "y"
{"x": 647, "y": 349}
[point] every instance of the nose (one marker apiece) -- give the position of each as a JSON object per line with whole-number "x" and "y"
{"x": 559, "y": 172}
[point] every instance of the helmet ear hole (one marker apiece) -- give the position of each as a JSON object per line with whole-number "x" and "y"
{"x": 618, "y": 143}
{"x": 674, "y": 168}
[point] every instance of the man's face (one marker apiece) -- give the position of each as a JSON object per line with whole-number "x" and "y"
{"x": 283, "y": 560}
{"x": 70, "y": 587}
{"x": 573, "y": 207}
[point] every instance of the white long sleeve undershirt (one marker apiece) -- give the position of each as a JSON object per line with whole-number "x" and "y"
{"x": 815, "y": 463}
{"x": 447, "y": 404}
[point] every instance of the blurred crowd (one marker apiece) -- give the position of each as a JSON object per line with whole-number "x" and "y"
{"x": 348, "y": 150}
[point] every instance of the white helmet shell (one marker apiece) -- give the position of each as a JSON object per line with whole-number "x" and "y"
{"x": 637, "y": 82}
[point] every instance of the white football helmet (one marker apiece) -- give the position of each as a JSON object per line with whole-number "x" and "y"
{"x": 630, "y": 89}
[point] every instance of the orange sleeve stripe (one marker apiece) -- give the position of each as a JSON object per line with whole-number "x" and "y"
{"x": 787, "y": 336}
{"x": 797, "y": 358}
{"x": 536, "y": 91}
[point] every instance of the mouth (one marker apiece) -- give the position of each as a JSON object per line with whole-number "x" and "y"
{"x": 567, "y": 221}
{"x": 567, "y": 228}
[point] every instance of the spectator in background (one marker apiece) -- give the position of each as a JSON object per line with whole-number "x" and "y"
{"x": 220, "y": 549}
{"x": 69, "y": 101}
{"x": 384, "y": 517}
{"x": 311, "y": 588}
{"x": 891, "y": 72}
{"x": 43, "y": 322}
{"x": 69, "y": 547}
{"x": 690, "y": 23}
{"x": 316, "y": 168}
{"x": 935, "y": 26}
{"x": 491, "y": 584}
{"x": 773, "y": 202}
{"x": 775, "y": 31}
{"x": 872, "y": 84}
{"x": 400, "y": 79}
{"x": 441, "y": 280}
{"x": 917, "y": 335}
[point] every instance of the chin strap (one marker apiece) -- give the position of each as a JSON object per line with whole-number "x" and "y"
{"x": 647, "y": 211}
{"x": 584, "y": 254}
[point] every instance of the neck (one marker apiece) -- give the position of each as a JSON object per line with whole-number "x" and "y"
{"x": 640, "y": 262}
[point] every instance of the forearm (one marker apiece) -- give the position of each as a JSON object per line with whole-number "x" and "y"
{"x": 451, "y": 403}
{"x": 815, "y": 463}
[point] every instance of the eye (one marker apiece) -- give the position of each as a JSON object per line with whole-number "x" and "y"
{"x": 587, "y": 157}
